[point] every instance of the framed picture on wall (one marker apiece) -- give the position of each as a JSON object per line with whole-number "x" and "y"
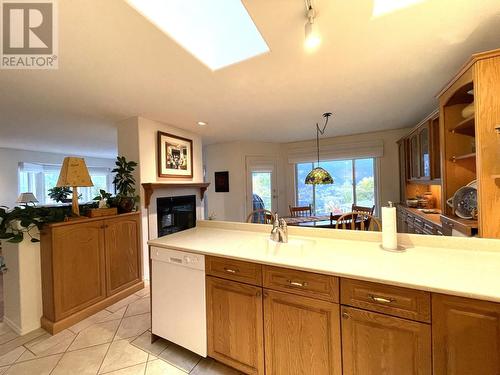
{"x": 222, "y": 182}
{"x": 175, "y": 156}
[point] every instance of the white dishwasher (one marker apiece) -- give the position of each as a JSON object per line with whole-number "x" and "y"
{"x": 178, "y": 308}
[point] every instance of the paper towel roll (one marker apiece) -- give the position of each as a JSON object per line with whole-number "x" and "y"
{"x": 389, "y": 230}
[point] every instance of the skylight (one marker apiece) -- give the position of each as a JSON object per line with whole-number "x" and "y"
{"x": 383, "y": 7}
{"x": 217, "y": 32}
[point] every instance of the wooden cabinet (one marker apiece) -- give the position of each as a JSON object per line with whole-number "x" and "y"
{"x": 419, "y": 154}
{"x": 470, "y": 138}
{"x": 302, "y": 335}
{"x": 235, "y": 324}
{"x": 77, "y": 266}
{"x": 122, "y": 245}
{"x": 410, "y": 220}
{"x": 374, "y": 344}
{"x": 88, "y": 264}
{"x": 466, "y": 336}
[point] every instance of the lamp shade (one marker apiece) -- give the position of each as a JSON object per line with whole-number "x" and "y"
{"x": 319, "y": 176}
{"x": 26, "y": 198}
{"x": 74, "y": 172}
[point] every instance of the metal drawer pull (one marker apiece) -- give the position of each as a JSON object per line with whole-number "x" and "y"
{"x": 297, "y": 283}
{"x": 230, "y": 270}
{"x": 381, "y": 299}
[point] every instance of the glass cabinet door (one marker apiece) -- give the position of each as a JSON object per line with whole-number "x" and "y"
{"x": 425, "y": 162}
{"x": 414, "y": 157}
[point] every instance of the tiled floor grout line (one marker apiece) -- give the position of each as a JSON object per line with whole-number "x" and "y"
{"x": 57, "y": 364}
{"x": 112, "y": 340}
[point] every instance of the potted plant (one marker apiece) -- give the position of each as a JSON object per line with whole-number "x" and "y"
{"x": 60, "y": 194}
{"x": 103, "y": 198}
{"x": 124, "y": 181}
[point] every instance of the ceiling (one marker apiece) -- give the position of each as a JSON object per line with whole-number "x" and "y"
{"x": 372, "y": 73}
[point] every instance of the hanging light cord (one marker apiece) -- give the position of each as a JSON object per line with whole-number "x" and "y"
{"x": 319, "y": 131}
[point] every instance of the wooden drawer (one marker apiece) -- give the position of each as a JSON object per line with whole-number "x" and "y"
{"x": 237, "y": 270}
{"x": 429, "y": 228}
{"x": 387, "y": 299}
{"x": 302, "y": 283}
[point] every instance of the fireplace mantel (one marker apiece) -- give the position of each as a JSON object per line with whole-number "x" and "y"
{"x": 150, "y": 187}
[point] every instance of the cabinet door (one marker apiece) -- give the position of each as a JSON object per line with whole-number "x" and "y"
{"x": 414, "y": 157}
{"x": 403, "y": 172}
{"x": 435, "y": 149}
{"x": 235, "y": 326}
{"x": 78, "y": 267}
{"x": 123, "y": 253}
{"x": 374, "y": 344}
{"x": 302, "y": 335}
{"x": 466, "y": 336}
{"x": 424, "y": 154}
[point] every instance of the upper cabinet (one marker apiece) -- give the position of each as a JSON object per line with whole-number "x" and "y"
{"x": 419, "y": 153}
{"x": 470, "y": 137}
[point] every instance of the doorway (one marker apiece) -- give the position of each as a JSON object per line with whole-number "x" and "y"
{"x": 262, "y": 190}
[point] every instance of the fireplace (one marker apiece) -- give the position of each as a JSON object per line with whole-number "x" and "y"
{"x": 175, "y": 214}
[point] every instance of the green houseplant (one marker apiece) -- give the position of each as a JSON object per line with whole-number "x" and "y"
{"x": 60, "y": 194}
{"x": 124, "y": 181}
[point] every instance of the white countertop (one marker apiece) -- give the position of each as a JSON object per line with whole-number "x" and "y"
{"x": 451, "y": 270}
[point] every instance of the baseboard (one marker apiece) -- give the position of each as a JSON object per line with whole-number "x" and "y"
{"x": 20, "y": 331}
{"x": 55, "y": 327}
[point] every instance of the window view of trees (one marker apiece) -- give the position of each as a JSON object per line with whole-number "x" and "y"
{"x": 354, "y": 183}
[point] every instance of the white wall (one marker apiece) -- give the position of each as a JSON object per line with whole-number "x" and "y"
{"x": 231, "y": 157}
{"x": 9, "y": 163}
{"x": 137, "y": 139}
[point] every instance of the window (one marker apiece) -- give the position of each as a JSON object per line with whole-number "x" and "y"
{"x": 39, "y": 179}
{"x": 355, "y": 183}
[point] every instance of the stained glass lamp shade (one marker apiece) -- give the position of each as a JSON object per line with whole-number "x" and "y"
{"x": 319, "y": 176}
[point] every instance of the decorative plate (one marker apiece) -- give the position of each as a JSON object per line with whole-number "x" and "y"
{"x": 465, "y": 202}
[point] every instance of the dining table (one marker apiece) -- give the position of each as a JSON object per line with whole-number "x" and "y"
{"x": 315, "y": 221}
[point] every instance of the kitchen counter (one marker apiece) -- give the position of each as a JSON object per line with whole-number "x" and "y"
{"x": 467, "y": 267}
{"x": 434, "y": 218}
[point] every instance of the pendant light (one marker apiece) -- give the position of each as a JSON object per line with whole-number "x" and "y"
{"x": 312, "y": 38}
{"x": 320, "y": 176}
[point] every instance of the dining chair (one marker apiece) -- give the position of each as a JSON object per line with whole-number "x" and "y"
{"x": 260, "y": 216}
{"x": 366, "y": 210}
{"x": 300, "y": 211}
{"x": 358, "y": 221}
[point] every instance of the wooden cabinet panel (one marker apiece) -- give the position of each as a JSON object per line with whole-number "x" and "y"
{"x": 303, "y": 283}
{"x": 387, "y": 299}
{"x": 235, "y": 324}
{"x": 466, "y": 336}
{"x": 237, "y": 270}
{"x": 87, "y": 265}
{"x": 123, "y": 253}
{"x": 374, "y": 344}
{"x": 78, "y": 267}
{"x": 302, "y": 335}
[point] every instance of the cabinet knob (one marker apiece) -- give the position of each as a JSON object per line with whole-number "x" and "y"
{"x": 345, "y": 315}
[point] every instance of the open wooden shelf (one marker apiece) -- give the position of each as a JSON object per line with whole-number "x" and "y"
{"x": 462, "y": 157}
{"x": 466, "y": 127}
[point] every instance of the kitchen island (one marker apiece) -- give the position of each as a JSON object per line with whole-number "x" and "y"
{"x": 334, "y": 302}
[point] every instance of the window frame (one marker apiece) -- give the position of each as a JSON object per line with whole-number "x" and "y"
{"x": 36, "y": 180}
{"x": 376, "y": 174}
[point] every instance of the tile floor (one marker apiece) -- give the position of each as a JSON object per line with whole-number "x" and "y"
{"x": 115, "y": 341}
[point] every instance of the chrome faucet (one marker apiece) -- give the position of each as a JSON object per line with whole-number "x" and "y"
{"x": 279, "y": 233}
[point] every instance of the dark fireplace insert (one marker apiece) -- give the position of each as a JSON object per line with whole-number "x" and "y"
{"x": 175, "y": 214}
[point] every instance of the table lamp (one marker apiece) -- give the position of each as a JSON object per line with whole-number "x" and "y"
{"x": 26, "y": 198}
{"x": 74, "y": 173}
